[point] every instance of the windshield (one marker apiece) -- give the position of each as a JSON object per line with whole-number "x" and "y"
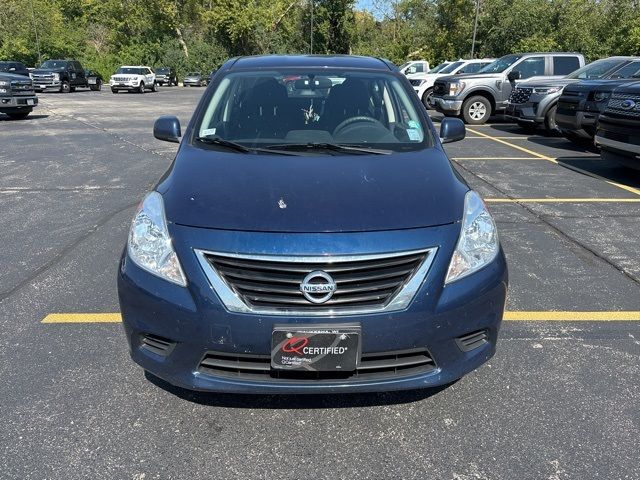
{"x": 193, "y": 74}
{"x": 451, "y": 67}
{"x": 596, "y": 69}
{"x": 501, "y": 64}
{"x": 302, "y": 107}
{"x": 439, "y": 67}
{"x": 163, "y": 70}
{"x": 630, "y": 70}
{"x": 131, "y": 71}
{"x": 54, "y": 64}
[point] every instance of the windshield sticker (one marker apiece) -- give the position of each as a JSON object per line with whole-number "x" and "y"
{"x": 415, "y": 125}
{"x": 208, "y": 131}
{"x": 414, "y": 134}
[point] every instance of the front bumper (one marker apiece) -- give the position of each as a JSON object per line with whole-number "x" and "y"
{"x": 578, "y": 122}
{"x": 192, "y": 83}
{"x": 195, "y": 322}
{"x": 524, "y": 113}
{"x": 448, "y": 106}
{"x": 124, "y": 86}
{"x": 18, "y": 103}
{"x": 54, "y": 85}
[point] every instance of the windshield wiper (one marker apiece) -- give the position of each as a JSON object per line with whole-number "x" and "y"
{"x": 214, "y": 140}
{"x": 330, "y": 146}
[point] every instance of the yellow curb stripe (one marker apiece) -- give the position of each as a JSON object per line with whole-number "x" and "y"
{"x": 523, "y": 316}
{"x": 562, "y": 200}
{"x": 496, "y": 158}
{"x": 549, "y": 316}
{"x": 83, "y": 318}
{"x": 553, "y": 160}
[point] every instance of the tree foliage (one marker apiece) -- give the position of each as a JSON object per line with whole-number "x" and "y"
{"x": 201, "y": 34}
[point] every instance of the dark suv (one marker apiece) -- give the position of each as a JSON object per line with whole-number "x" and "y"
{"x": 59, "y": 75}
{"x": 16, "y": 68}
{"x": 581, "y": 103}
{"x": 477, "y": 96}
{"x": 166, "y": 76}
{"x": 619, "y": 126}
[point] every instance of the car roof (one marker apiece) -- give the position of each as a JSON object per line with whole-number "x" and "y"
{"x": 337, "y": 61}
{"x": 134, "y": 66}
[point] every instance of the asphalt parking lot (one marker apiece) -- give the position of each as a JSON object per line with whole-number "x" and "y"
{"x": 560, "y": 400}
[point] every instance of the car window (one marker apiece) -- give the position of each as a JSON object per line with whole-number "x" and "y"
{"x": 501, "y": 64}
{"x": 564, "y": 65}
{"x": 54, "y": 65}
{"x": 355, "y": 108}
{"x": 471, "y": 68}
{"x": 596, "y": 69}
{"x": 452, "y": 67}
{"x": 531, "y": 67}
{"x": 631, "y": 70}
{"x": 439, "y": 68}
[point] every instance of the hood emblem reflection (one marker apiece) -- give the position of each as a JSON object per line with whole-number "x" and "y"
{"x": 281, "y": 203}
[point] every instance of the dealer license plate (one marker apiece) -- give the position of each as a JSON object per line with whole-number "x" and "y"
{"x": 316, "y": 348}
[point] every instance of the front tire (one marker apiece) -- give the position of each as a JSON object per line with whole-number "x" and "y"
{"x": 550, "y": 121}
{"x": 65, "y": 87}
{"x": 476, "y": 110}
{"x": 426, "y": 97}
{"x": 154, "y": 87}
{"x": 114, "y": 90}
{"x": 141, "y": 88}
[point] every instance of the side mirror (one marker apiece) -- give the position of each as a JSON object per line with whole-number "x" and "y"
{"x": 167, "y": 128}
{"x": 452, "y": 130}
{"x": 513, "y": 76}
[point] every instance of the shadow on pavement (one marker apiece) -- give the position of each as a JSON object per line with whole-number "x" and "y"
{"x": 606, "y": 169}
{"x": 278, "y": 402}
{"x": 5, "y": 118}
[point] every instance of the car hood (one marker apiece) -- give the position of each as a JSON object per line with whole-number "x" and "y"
{"x": 12, "y": 76}
{"x": 278, "y": 193}
{"x": 547, "y": 82}
{"x": 601, "y": 84}
{"x": 47, "y": 70}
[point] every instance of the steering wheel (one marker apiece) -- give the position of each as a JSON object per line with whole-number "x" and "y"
{"x": 345, "y": 123}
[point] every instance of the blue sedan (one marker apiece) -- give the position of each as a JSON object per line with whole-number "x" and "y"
{"x": 311, "y": 236}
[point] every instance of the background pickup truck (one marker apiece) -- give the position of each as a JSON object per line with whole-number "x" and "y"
{"x": 17, "y": 97}
{"x": 59, "y": 75}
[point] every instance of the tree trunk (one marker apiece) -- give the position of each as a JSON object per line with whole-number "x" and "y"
{"x": 185, "y": 49}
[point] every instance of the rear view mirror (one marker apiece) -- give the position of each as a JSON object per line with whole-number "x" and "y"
{"x": 513, "y": 76}
{"x": 452, "y": 130}
{"x": 167, "y": 128}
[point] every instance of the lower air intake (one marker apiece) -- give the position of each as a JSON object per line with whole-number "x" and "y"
{"x": 372, "y": 366}
{"x": 473, "y": 340}
{"x": 157, "y": 345}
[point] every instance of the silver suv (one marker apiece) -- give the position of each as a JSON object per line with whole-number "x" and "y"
{"x": 477, "y": 96}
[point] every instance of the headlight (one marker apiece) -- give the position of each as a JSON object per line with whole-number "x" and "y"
{"x": 546, "y": 90}
{"x": 56, "y": 76}
{"x": 456, "y": 87}
{"x": 4, "y": 90}
{"x": 601, "y": 96}
{"x": 478, "y": 243}
{"x": 149, "y": 244}
{"x": 4, "y": 84}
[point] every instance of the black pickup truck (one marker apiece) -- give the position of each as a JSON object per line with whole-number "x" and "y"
{"x": 59, "y": 75}
{"x": 619, "y": 127}
{"x": 17, "y": 97}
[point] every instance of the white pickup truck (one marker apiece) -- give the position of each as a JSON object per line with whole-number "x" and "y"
{"x": 133, "y": 79}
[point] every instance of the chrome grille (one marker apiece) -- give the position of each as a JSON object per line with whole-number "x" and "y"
{"x": 272, "y": 284}
{"x": 22, "y": 87}
{"x": 42, "y": 79}
{"x": 122, "y": 79}
{"x": 520, "y": 95}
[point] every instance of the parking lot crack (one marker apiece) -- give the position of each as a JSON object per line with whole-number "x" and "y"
{"x": 61, "y": 254}
{"x": 552, "y": 227}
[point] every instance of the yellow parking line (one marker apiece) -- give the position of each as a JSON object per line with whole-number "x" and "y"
{"x": 82, "y": 318}
{"x": 562, "y": 200}
{"x": 550, "y": 159}
{"x": 496, "y": 158}
{"x": 530, "y": 316}
{"x": 551, "y": 316}
{"x": 523, "y": 137}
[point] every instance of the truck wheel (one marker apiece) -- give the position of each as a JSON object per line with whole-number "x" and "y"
{"x": 476, "y": 110}
{"x": 18, "y": 115}
{"x": 65, "y": 87}
{"x": 550, "y": 121}
{"x": 114, "y": 90}
{"x": 426, "y": 97}
{"x": 154, "y": 88}
{"x": 141, "y": 88}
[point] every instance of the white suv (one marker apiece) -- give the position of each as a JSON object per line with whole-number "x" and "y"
{"x": 133, "y": 79}
{"x": 422, "y": 83}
